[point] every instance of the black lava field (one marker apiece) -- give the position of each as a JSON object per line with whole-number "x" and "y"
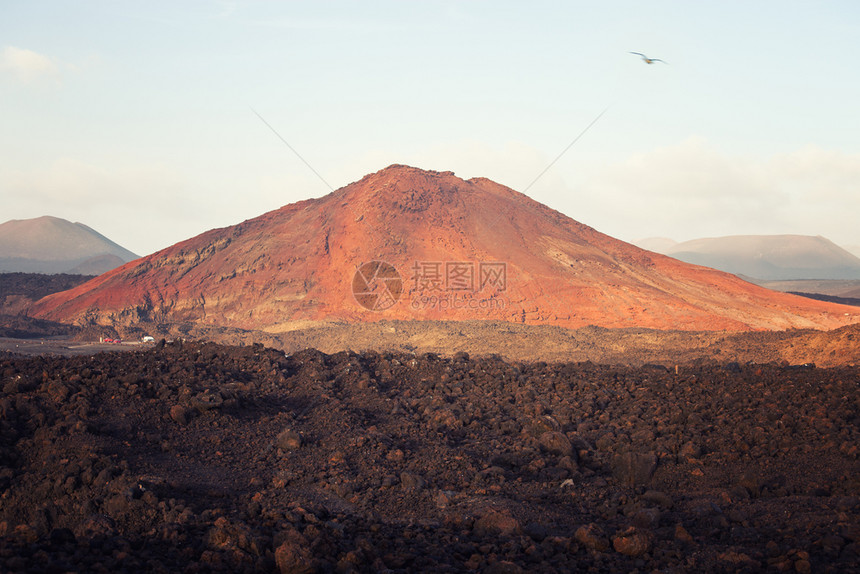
{"x": 195, "y": 457}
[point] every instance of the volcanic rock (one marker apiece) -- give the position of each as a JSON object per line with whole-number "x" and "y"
{"x": 633, "y": 468}
{"x": 289, "y": 440}
{"x": 556, "y": 443}
{"x": 497, "y": 522}
{"x": 292, "y": 558}
{"x": 659, "y": 498}
{"x": 226, "y": 497}
{"x": 632, "y": 542}
{"x": 179, "y": 413}
{"x": 411, "y": 481}
{"x": 593, "y": 537}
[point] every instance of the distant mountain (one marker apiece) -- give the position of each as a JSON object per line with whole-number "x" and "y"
{"x": 410, "y": 244}
{"x": 656, "y": 244}
{"x": 769, "y": 257}
{"x": 53, "y": 245}
{"x": 846, "y": 288}
{"x": 853, "y": 249}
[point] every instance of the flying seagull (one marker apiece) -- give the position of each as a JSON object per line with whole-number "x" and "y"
{"x": 647, "y": 59}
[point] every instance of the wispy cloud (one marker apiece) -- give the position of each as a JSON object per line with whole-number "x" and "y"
{"x": 26, "y": 65}
{"x": 327, "y": 25}
{"x": 226, "y": 8}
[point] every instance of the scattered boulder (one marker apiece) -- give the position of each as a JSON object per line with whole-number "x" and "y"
{"x": 633, "y": 468}
{"x": 648, "y": 518}
{"x": 207, "y": 401}
{"x": 411, "y": 481}
{"x": 291, "y": 558}
{"x": 739, "y": 559}
{"x": 289, "y": 440}
{"x": 225, "y": 535}
{"x": 497, "y": 522}
{"x": 658, "y": 498}
{"x": 593, "y": 537}
{"x": 682, "y": 535}
{"x": 632, "y": 542}
{"x": 689, "y": 451}
{"x": 25, "y": 533}
{"x": 180, "y": 414}
{"x": 503, "y": 567}
{"x": 556, "y": 443}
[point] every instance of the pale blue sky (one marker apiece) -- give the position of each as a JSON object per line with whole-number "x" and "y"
{"x": 136, "y": 117}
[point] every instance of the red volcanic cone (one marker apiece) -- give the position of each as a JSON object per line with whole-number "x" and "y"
{"x": 404, "y": 243}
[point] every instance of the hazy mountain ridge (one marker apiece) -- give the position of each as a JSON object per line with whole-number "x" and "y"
{"x": 766, "y": 257}
{"x": 52, "y": 245}
{"x": 847, "y": 288}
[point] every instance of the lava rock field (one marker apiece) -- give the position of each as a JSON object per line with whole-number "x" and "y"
{"x": 195, "y": 457}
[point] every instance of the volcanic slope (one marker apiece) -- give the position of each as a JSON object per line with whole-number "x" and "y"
{"x": 296, "y": 265}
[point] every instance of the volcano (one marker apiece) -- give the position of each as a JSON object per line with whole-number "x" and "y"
{"x": 53, "y": 245}
{"x": 405, "y": 243}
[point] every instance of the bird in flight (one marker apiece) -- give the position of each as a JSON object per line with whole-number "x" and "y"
{"x": 647, "y": 59}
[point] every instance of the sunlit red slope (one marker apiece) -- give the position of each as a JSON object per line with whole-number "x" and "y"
{"x": 298, "y": 263}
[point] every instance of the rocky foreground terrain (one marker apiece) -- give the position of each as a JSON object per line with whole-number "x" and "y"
{"x": 636, "y": 347}
{"x": 196, "y": 457}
